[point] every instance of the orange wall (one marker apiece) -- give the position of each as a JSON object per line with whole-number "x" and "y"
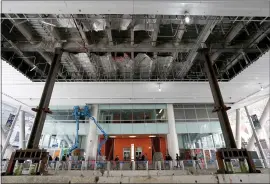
{"x": 121, "y": 143}
{"x": 145, "y": 143}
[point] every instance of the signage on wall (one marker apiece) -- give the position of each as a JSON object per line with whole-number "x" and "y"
{"x": 255, "y": 121}
{"x": 10, "y": 120}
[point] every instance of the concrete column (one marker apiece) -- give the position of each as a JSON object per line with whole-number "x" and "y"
{"x": 173, "y": 147}
{"x": 22, "y": 129}
{"x": 264, "y": 118}
{"x": 92, "y": 138}
{"x": 237, "y": 129}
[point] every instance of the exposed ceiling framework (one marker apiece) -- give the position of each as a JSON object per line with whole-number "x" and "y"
{"x": 132, "y": 47}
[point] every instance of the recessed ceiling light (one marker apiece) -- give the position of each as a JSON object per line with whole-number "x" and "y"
{"x": 132, "y": 136}
{"x": 151, "y": 136}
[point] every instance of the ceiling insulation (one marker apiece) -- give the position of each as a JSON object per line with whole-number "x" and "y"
{"x": 108, "y": 65}
{"x": 144, "y": 65}
{"x": 126, "y": 66}
{"x": 68, "y": 63}
{"x": 86, "y": 64}
{"x": 164, "y": 66}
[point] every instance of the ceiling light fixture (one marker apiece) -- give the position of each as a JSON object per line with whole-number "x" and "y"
{"x": 159, "y": 88}
{"x": 187, "y": 17}
{"x": 151, "y": 136}
{"x": 112, "y": 136}
{"x": 132, "y": 136}
{"x": 33, "y": 68}
{"x": 160, "y": 111}
{"x": 48, "y": 23}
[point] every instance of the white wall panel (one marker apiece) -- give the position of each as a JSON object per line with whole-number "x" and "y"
{"x": 170, "y": 7}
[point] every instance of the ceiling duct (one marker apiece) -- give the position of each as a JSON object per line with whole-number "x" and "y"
{"x": 164, "y": 66}
{"x": 108, "y": 66}
{"x": 177, "y": 67}
{"x": 126, "y": 66}
{"x": 100, "y": 23}
{"x": 68, "y": 63}
{"x": 121, "y": 24}
{"x": 86, "y": 64}
{"x": 145, "y": 65}
{"x": 94, "y": 22}
{"x": 143, "y": 24}
{"x": 65, "y": 21}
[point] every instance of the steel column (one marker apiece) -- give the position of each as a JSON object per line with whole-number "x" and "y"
{"x": 45, "y": 101}
{"x": 220, "y": 107}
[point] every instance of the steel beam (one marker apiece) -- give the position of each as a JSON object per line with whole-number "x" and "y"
{"x": 180, "y": 34}
{"x": 236, "y": 29}
{"x": 232, "y": 34}
{"x": 253, "y": 41}
{"x": 26, "y": 59}
{"x": 132, "y": 36}
{"x": 193, "y": 52}
{"x": 44, "y": 102}
{"x": 109, "y": 34}
{"x": 49, "y": 60}
{"x": 155, "y": 32}
{"x": 220, "y": 107}
{"x": 26, "y": 32}
{"x": 82, "y": 33}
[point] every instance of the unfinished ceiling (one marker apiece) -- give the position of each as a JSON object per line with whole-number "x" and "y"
{"x": 132, "y": 47}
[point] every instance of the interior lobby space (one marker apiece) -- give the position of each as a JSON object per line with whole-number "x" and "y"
{"x": 135, "y": 91}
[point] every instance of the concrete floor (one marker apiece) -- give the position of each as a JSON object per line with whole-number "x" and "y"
{"x": 140, "y": 177}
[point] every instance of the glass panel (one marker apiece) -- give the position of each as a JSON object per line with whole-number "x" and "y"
{"x": 190, "y": 114}
{"x": 116, "y": 116}
{"x": 212, "y": 114}
{"x": 201, "y": 114}
{"x": 138, "y": 116}
{"x": 126, "y": 116}
{"x": 179, "y": 114}
{"x": 189, "y": 106}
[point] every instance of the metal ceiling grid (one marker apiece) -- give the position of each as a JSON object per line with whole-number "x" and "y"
{"x": 132, "y": 47}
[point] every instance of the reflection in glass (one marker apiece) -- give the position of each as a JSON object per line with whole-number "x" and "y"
{"x": 143, "y": 115}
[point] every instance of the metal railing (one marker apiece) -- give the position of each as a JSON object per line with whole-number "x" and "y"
{"x": 131, "y": 165}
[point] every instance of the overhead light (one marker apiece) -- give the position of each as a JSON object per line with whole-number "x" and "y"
{"x": 151, "y": 136}
{"x": 160, "y": 111}
{"x": 33, "y": 68}
{"x": 48, "y": 23}
{"x": 159, "y": 88}
{"x": 187, "y": 17}
{"x": 112, "y": 136}
{"x": 132, "y": 136}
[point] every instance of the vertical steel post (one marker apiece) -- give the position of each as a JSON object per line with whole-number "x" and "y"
{"x": 220, "y": 107}
{"x": 44, "y": 101}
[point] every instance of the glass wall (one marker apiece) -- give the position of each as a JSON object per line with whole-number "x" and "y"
{"x": 150, "y": 113}
{"x": 197, "y": 126}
